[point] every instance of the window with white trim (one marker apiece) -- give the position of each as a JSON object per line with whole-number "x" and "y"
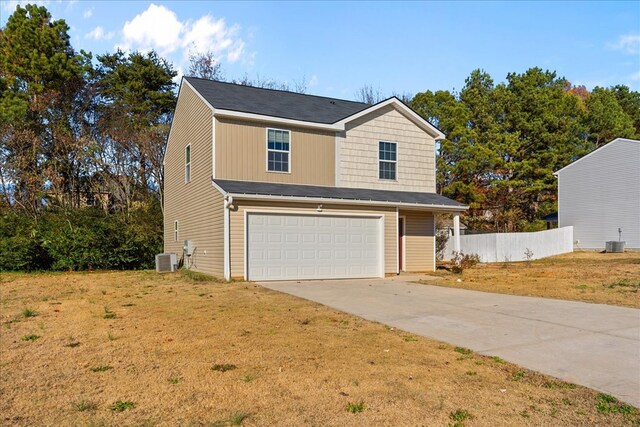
{"x": 278, "y": 150}
{"x": 175, "y": 231}
{"x": 187, "y": 163}
{"x": 387, "y": 160}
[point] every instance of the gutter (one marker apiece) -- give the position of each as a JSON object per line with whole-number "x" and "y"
{"x": 440, "y": 208}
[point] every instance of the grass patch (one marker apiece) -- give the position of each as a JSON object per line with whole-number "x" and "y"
{"x": 518, "y": 375}
{"x": 30, "y": 337}
{"x": 626, "y": 284}
{"x": 85, "y": 405}
{"x": 224, "y": 367}
{"x": 194, "y": 276}
{"x": 607, "y": 404}
{"x": 580, "y": 276}
{"x": 101, "y": 368}
{"x": 463, "y": 350}
{"x": 121, "y": 406}
{"x": 27, "y": 312}
{"x": 459, "y": 416}
{"x": 174, "y": 380}
{"x": 355, "y": 408}
{"x": 237, "y": 418}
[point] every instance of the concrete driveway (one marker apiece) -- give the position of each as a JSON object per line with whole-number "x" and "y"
{"x": 594, "y": 345}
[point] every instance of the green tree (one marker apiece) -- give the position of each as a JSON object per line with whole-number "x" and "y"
{"x": 136, "y": 103}
{"x": 41, "y": 79}
{"x": 606, "y": 119}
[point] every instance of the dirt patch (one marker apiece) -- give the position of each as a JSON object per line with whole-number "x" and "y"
{"x": 581, "y": 276}
{"x": 137, "y": 348}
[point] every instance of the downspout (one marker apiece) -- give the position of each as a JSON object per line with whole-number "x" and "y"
{"x": 228, "y": 204}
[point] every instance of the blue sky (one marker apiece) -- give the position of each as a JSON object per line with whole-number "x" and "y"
{"x": 395, "y": 47}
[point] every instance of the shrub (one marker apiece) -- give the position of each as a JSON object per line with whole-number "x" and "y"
{"x": 81, "y": 239}
{"x": 463, "y": 261}
{"x": 441, "y": 244}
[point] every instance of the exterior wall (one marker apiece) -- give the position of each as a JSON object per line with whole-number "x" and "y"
{"x": 237, "y": 227}
{"x": 601, "y": 193}
{"x": 196, "y": 205}
{"x": 358, "y": 147}
{"x": 241, "y": 151}
{"x": 419, "y": 240}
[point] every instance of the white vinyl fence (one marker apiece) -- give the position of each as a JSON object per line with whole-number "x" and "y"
{"x": 501, "y": 247}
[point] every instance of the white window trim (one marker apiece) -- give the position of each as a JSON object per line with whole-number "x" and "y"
{"x": 266, "y": 144}
{"x": 402, "y": 266}
{"x": 388, "y": 161}
{"x": 176, "y": 231}
{"x": 187, "y": 179}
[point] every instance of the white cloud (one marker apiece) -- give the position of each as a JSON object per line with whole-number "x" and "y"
{"x": 629, "y": 44}
{"x": 98, "y": 33}
{"x": 155, "y": 28}
{"x": 10, "y": 6}
{"x": 87, "y": 13}
{"x": 159, "y": 28}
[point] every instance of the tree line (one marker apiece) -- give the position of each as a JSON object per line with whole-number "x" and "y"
{"x": 82, "y": 141}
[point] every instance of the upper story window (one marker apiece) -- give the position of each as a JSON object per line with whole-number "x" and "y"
{"x": 387, "y": 160}
{"x": 278, "y": 150}
{"x": 187, "y": 163}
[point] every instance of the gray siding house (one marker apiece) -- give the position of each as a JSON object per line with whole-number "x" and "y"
{"x": 600, "y": 194}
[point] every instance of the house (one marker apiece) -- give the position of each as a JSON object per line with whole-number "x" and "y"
{"x": 265, "y": 184}
{"x": 599, "y": 195}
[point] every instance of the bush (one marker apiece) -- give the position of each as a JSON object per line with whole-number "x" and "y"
{"x": 463, "y": 261}
{"x": 82, "y": 239}
{"x": 441, "y": 244}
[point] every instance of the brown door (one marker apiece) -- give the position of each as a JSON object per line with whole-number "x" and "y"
{"x": 400, "y": 244}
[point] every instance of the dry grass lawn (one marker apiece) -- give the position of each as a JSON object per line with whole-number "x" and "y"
{"x": 581, "y": 276}
{"x": 137, "y": 348}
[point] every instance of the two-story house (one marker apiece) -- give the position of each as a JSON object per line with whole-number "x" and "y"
{"x": 275, "y": 185}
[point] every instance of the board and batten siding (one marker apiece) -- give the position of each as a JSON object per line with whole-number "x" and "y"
{"x": 358, "y": 158}
{"x": 241, "y": 153}
{"x": 419, "y": 240}
{"x": 601, "y": 193}
{"x": 197, "y": 205}
{"x": 238, "y": 233}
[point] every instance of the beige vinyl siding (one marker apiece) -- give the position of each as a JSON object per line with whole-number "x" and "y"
{"x": 419, "y": 240}
{"x": 241, "y": 151}
{"x": 196, "y": 205}
{"x": 237, "y": 227}
{"x": 358, "y": 159}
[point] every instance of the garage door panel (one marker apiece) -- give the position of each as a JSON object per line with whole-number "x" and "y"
{"x": 282, "y": 247}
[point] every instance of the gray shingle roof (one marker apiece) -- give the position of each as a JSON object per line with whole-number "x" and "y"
{"x": 313, "y": 191}
{"x": 287, "y": 105}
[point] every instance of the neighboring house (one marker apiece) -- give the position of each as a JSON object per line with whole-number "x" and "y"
{"x": 445, "y": 225}
{"x": 599, "y": 195}
{"x": 275, "y": 185}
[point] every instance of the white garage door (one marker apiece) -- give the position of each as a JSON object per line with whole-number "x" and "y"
{"x": 287, "y": 247}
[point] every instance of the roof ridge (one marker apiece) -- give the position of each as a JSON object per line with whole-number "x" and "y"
{"x": 278, "y": 90}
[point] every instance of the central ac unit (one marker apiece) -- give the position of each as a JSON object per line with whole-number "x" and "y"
{"x": 166, "y": 263}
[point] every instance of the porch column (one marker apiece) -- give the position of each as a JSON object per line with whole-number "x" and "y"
{"x": 456, "y": 232}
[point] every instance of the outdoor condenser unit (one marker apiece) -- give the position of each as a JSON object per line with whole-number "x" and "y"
{"x": 166, "y": 263}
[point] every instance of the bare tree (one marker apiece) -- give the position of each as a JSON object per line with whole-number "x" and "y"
{"x": 267, "y": 83}
{"x": 369, "y": 95}
{"x": 205, "y": 65}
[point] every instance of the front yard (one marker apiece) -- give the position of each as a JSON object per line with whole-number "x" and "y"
{"x": 137, "y": 348}
{"x": 581, "y": 276}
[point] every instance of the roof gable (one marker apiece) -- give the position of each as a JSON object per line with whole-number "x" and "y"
{"x": 230, "y": 99}
{"x": 596, "y": 151}
{"x": 274, "y": 103}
